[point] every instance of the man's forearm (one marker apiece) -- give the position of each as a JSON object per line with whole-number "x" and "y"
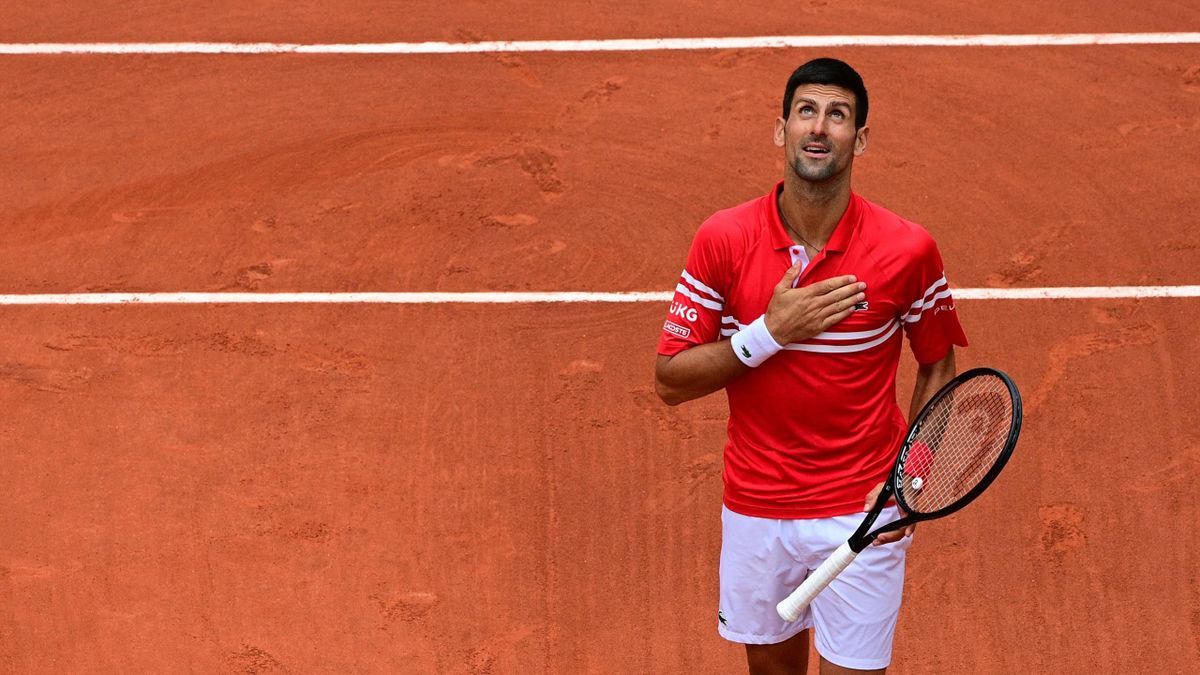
{"x": 696, "y": 372}
{"x": 930, "y": 378}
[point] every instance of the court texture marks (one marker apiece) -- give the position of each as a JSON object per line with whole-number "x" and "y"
{"x": 392, "y": 477}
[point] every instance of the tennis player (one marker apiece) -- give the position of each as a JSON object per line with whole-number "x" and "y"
{"x": 794, "y": 303}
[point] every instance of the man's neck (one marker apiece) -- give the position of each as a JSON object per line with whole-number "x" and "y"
{"x": 813, "y": 209}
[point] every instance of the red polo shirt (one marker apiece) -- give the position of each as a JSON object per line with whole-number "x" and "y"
{"x": 816, "y": 426}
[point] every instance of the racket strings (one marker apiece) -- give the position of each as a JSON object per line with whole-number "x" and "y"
{"x": 960, "y": 440}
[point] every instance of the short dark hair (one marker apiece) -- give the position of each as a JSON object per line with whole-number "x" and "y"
{"x": 829, "y": 71}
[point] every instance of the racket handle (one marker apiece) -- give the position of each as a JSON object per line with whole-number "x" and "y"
{"x": 793, "y": 605}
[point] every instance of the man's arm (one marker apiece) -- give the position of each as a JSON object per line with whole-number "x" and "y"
{"x": 794, "y": 315}
{"x": 930, "y": 378}
{"x": 696, "y": 372}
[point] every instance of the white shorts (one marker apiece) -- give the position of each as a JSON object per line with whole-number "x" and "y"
{"x": 763, "y": 560}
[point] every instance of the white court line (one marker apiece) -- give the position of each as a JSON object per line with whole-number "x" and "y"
{"x": 1050, "y": 293}
{"x": 614, "y": 45}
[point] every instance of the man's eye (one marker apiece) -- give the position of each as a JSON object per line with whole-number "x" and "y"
{"x": 838, "y": 114}
{"x": 806, "y": 110}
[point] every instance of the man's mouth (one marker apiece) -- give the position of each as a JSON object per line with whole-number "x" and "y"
{"x": 815, "y": 149}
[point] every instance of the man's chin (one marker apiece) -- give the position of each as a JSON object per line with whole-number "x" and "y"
{"x": 820, "y": 173}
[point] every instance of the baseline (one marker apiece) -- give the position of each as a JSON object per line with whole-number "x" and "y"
{"x": 416, "y": 298}
{"x": 610, "y": 45}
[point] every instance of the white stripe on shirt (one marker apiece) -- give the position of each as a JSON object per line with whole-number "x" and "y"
{"x": 845, "y": 349}
{"x": 699, "y": 285}
{"x": 936, "y": 285}
{"x": 887, "y": 329}
{"x": 703, "y": 302}
{"x": 912, "y": 317}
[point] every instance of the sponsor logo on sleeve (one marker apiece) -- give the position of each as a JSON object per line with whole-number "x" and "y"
{"x": 676, "y": 329}
{"x": 683, "y": 311}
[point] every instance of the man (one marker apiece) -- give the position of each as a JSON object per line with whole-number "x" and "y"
{"x": 811, "y": 284}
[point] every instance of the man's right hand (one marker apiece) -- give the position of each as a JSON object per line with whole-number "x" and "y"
{"x": 797, "y": 314}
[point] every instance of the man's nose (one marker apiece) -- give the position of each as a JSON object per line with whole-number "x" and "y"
{"x": 819, "y": 124}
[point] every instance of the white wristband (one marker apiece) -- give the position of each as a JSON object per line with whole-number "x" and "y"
{"x": 754, "y": 344}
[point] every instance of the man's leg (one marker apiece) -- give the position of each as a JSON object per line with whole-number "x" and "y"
{"x": 828, "y": 668}
{"x": 855, "y": 617}
{"x": 789, "y": 657}
{"x": 758, "y": 568}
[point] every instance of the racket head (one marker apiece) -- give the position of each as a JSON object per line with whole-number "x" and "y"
{"x": 958, "y": 444}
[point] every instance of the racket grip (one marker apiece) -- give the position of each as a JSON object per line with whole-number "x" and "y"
{"x": 793, "y": 605}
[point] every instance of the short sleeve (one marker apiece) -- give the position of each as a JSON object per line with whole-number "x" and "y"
{"x": 694, "y": 317}
{"x": 931, "y": 320}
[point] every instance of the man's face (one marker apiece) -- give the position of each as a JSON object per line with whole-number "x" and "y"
{"x": 818, "y": 138}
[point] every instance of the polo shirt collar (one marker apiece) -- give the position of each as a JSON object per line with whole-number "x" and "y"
{"x": 842, "y": 234}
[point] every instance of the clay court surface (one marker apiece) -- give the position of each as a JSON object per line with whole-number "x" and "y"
{"x": 495, "y": 488}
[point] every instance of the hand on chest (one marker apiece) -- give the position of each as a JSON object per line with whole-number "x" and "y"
{"x": 875, "y": 315}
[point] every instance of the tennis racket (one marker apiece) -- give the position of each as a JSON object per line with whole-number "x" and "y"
{"x": 954, "y": 449}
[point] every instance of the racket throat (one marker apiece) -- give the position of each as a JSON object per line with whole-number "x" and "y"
{"x": 863, "y": 536}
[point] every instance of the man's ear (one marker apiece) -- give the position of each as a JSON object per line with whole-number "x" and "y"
{"x": 780, "y": 125}
{"x": 860, "y": 140}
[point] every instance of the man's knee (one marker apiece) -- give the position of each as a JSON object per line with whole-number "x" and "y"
{"x": 789, "y": 657}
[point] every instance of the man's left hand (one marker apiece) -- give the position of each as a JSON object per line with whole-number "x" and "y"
{"x": 895, "y": 535}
